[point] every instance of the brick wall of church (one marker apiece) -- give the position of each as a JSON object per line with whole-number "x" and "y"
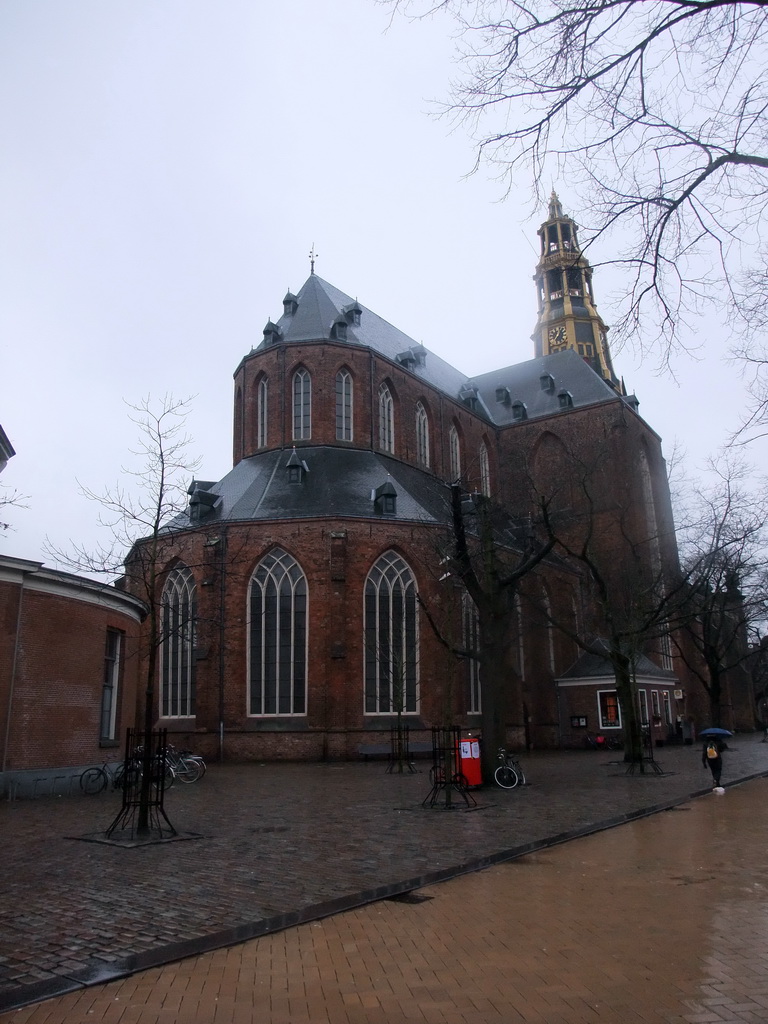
{"x": 368, "y": 370}
{"x": 336, "y": 556}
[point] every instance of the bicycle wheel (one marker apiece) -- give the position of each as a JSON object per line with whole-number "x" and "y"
{"x": 519, "y": 772}
{"x": 506, "y": 776}
{"x": 170, "y": 776}
{"x": 187, "y": 770}
{"x": 93, "y": 780}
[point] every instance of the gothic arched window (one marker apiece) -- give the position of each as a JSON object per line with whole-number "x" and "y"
{"x": 177, "y": 643}
{"x": 344, "y": 406}
{"x": 650, "y": 512}
{"x": 277, "y": 637}
{"x": 302, "y": 405}
{"x": 422, "y": 435}
{"x": 391, "y": 638}
{"x": 471, "y": 636}
{"x": 485, "y": 471}
{"x": 454, "y": 452}
{"x": 386, "y": 420}
{"x": 262, "y": 393}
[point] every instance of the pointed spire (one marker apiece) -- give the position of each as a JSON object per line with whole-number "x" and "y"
{"x": 555, "y": 207}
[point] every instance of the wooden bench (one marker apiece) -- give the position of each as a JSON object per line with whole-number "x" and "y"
{"x": 417, "y": 748}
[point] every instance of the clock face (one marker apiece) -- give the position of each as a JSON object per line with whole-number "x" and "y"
{"x": 556, "y": 336}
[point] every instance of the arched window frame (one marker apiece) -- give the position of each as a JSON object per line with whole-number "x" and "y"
{"x": 520, "y": 637}
{"x": 454, "y": 453}
{"x": 550, "y": 631}
{"x": 277, "y": 637}
{"x": 391, "y": 627}
{"x": 302, "y": 405}
{"x": 470, "y": 630}
{"x": 485, "y": 470}
{"x": 237, "y": 428}
{"x": 344, "y": 405}
{"x": 262, "y": 411}
{"x": 178, "y": 609}
{"x": 386, "y": 420}
{"x": 422, "y": 435}
{"x": 649, "y": 505}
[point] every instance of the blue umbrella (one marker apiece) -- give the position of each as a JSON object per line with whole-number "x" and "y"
{"x": 715, "y": 732}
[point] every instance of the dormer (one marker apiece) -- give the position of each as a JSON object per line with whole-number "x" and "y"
{"x": 519, "y": 411}
{"x": 468, "y": 395}
{"x": 384, "y": 498}
{"x": 290, "y": 304}
{"x": 503, "y": 397}
{"x": 414, "y": 356}
{"x": 352, "y": 313}
{"x": 297, "y": 469}
{"x": 547, "y": 383}
{"x": 565, "y": 400}
{"x": 272, "y": 333}
{"x": 201, "y": 499}
{"x": 339, "y": 329}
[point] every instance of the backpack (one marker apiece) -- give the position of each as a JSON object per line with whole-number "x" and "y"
{"x": 712, "y": 751}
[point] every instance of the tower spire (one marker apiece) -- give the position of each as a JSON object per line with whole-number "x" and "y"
{"x": 568, "y": 316}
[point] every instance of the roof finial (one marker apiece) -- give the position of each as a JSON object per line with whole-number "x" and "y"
{"x": 555, "y": 209}
{"x": 312, "y": 257}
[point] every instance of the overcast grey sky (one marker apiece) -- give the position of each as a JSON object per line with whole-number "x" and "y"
{"x": 166, "y": 167}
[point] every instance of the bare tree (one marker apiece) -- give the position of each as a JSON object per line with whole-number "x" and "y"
{"x": 656, "y": 115}
{"x": 626, "y": 595}
{"x": 10, "y": 498}
{"x": 724, "y": 598}
{"x": 490, "y": 553}
{"x": 143, "y": 512}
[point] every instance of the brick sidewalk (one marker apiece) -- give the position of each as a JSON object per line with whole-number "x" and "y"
{"x": 283, "y": 844}
{"x": 655, "y": 922}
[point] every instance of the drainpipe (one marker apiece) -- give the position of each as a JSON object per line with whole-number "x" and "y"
{"x": 16, "y": 645}
{"x": 222, "y": 607}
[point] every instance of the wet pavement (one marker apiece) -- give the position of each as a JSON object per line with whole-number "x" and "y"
{"x": 284, "y": 844}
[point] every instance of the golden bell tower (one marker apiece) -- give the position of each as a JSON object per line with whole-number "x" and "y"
{"x": 567, "y": 314}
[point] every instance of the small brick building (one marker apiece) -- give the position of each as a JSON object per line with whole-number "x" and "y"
{"x": 68, "y": 674}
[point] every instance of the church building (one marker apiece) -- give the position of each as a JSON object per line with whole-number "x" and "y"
{"x": 295, "y": 590}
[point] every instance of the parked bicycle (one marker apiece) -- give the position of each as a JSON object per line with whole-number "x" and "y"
{"x": 187, "y": 767}
{"x": 600, "y": 742}
{"x": 111, "y": 773}
{"x": 509, "y": 773}
{"x": 118, "y": 774}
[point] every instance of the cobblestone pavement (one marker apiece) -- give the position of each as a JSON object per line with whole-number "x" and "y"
{"x": 659, "y": 921}
{"x": 284, "y": 844}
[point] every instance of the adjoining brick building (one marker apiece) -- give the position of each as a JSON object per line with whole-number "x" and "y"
{"x": 68, "y": 675}
{"x": 293, "y": 588}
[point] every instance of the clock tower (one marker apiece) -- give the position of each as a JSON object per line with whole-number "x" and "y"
{"x": 568, "y": 317}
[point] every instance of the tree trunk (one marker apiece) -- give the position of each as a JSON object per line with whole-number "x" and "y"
{"x": 496, "y": 681}
{"x": 633, "y": 736}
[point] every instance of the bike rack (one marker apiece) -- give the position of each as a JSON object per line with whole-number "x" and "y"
{"x": 400, "y": 759}
{"x": 142, "y": 815}
{"x": 446, "y": 774}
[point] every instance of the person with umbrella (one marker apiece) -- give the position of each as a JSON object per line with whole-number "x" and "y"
{"x": 712, "y": 752}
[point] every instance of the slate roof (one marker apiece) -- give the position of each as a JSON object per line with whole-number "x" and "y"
{"x": 569, "y": 373}
{"x": 321, "y": 305}
{"x": 6, "y": 448}
{"x": 595, "y": 666}
{"x": 338, "y": 483}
